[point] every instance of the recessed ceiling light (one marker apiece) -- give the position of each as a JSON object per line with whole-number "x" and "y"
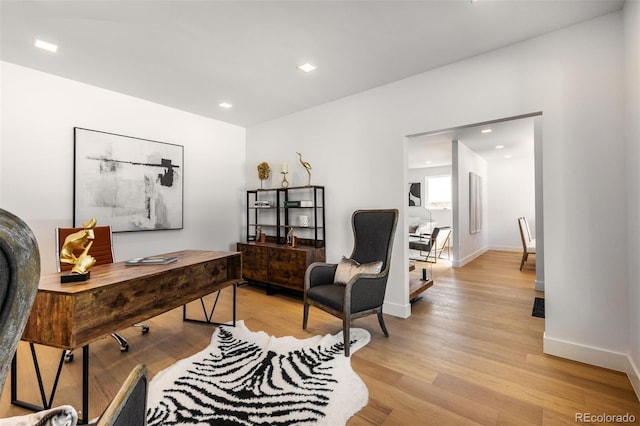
{"x": 226, "y": 105}
{"x": 486, "y": 130}
{"x": 307, "y": 67}
{"x": 41, "y": 44}
{"x": 428, "y": 162}
{"x": 499, "y": 146}
{"x": 507, "y": 156}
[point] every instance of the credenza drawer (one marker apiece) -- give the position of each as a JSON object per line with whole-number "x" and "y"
{"x": 287, "y": 267}
{"x": 254, "y": 262}
{"x": 278, "y": 264}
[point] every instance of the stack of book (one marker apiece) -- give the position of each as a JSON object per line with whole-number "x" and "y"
{"x": 299, "y": 203}
{"x": 155, "y": 260}
{"x": 261, "y": 204}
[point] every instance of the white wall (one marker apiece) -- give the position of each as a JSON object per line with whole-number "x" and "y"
{"x": 510, "y": 194}
{"x": 357, "y": 146}
{"x": 632, "y": 128}
{"x": 39, "y": 112}
{"x": 467, "y": 246}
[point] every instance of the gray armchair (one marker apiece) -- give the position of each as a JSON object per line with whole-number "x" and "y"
{"x": 363, "y": 293}
{"x": 129, "y": 406}
{"x": 19, "y": 278}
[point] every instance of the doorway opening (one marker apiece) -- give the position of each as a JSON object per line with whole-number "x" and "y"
{"x": 507, "y": 154}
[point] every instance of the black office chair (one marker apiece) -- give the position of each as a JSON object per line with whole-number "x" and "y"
{"x": 363, "y": 293}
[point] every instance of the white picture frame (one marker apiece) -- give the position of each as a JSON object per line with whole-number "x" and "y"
{"x": 128, "y": 183}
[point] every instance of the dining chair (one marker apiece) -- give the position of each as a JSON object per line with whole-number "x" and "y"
{"x": 356, "y": 286}
{"x": 528, "y": 243}
{"x": 443, "y": 242}
{"x": 102, "y": 251}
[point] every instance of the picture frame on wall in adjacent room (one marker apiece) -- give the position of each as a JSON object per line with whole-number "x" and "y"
{"x": 129, "y": 183}
{"x": 414, "y": 194}
{"x": 475, "y": 203}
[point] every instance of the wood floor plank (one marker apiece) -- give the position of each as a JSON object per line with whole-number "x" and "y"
{"x": 503, "y": 404}
{"x": 453, "y": 402}
{"x": 610, "y": 383}
{"x": 471, "y": 353}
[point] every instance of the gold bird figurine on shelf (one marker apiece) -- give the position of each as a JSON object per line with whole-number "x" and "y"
{"x": 307, "y": 166}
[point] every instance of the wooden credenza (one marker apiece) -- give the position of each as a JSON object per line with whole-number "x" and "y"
{"x": 278, "y": 264}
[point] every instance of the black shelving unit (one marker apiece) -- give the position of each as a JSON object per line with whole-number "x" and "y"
{"x": 278, "y": 217}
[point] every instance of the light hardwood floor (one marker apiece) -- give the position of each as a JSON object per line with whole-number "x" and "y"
{"x": 471, "y": 353}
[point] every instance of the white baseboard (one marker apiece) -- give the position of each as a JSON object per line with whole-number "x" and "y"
{"x": 401, "y": 311}
{"x": 506, "y": 248}
{"x": 461, "y": 262}
{"x": 582, "y": 353}
{"x": 594, "y": 356}
{"x": 634, "y": 376}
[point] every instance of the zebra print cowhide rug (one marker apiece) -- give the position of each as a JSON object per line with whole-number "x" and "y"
{"x": 251, "y": 378}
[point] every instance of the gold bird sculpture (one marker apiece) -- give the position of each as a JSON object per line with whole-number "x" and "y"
{"x": 307, "y": 166}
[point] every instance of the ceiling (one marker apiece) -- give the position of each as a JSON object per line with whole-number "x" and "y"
{"x": 515, "y": 137}
{"x": 193, "y": 55}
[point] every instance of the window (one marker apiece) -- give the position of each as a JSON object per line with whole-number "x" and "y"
{"x": 438, "y": 192}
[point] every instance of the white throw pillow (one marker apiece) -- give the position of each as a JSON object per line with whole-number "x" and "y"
{"x": 347, "y": 268}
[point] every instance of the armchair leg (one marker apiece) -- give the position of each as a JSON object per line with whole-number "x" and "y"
{"x": 346, "y": 334}
{"x": 381, "y": 321}
{"x": 305, "y": 316}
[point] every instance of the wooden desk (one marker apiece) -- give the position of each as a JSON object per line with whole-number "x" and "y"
{"x": 72, "y": 315}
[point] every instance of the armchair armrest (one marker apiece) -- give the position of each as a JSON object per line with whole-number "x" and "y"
{"x": 319, "y": 273}
{"x": 366, "y": 291}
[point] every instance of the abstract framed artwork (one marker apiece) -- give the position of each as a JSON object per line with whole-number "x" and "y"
{"x": 129, "y": 183}
{"x": 414, "y": 194}
{"x": 475, "y": 203}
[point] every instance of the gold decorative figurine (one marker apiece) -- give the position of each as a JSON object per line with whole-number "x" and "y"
{"x": 307, "y": 166}
{"x": 81, "y": 240}
{"x": 291, "y": 239}
{"x": 264, "y": 171}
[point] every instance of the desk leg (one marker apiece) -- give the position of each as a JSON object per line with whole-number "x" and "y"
{"x": 14, "y": 376}
{"x": 235, "y": 290}
{"x": 209, "y": 315}
{"x": 47, "y": 404}
{"x": 85, "y": 386}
